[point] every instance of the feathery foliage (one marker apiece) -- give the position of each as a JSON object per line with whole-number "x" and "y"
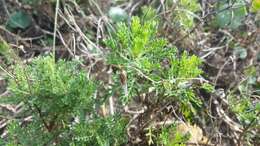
{"x": 55, "y": 93}
{"x": 152, "y": 65}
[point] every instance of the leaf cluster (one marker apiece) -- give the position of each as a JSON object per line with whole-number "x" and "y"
{"x": 231, "y": 15}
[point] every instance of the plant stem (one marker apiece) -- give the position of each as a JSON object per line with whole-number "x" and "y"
{"x": 55, "y": 27}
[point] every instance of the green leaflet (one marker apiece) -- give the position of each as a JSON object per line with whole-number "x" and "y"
{"x": 7, "y": 51}
{"x": 255, "y": 5}
{"x": 19, "y": 19}
{"x": 117, "y": 14}
{"x": 230, "y": 17}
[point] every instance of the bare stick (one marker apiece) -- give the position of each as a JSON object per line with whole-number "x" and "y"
{"x": 55, "y": 27}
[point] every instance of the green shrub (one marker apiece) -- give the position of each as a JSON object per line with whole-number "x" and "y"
{"x": 54, "y": 94}
{"x": 152, "y": 66}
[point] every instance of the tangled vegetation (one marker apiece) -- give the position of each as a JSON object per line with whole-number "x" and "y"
{"x": 110, "y": 73}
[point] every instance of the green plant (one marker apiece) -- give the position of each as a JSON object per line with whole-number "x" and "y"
{"x": 100, "y": 132}
{"x": 19, "y": 19}
{"x": 6, "y": 51}
{"x": 246, "y": 110}
{"x": 251, "y": 85}
{"x": 184, "y": 13}
{"x": 231, "y": 15}
{"x": 248, "y": 115}
{"x": 255, "y": 5}
{"x": 152, "y": 66}
{"x": 240, "y": 52}
{"x": 170, "y": 136}
{"x": 55, "y": 93}
{"x": 117, "y": 14}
